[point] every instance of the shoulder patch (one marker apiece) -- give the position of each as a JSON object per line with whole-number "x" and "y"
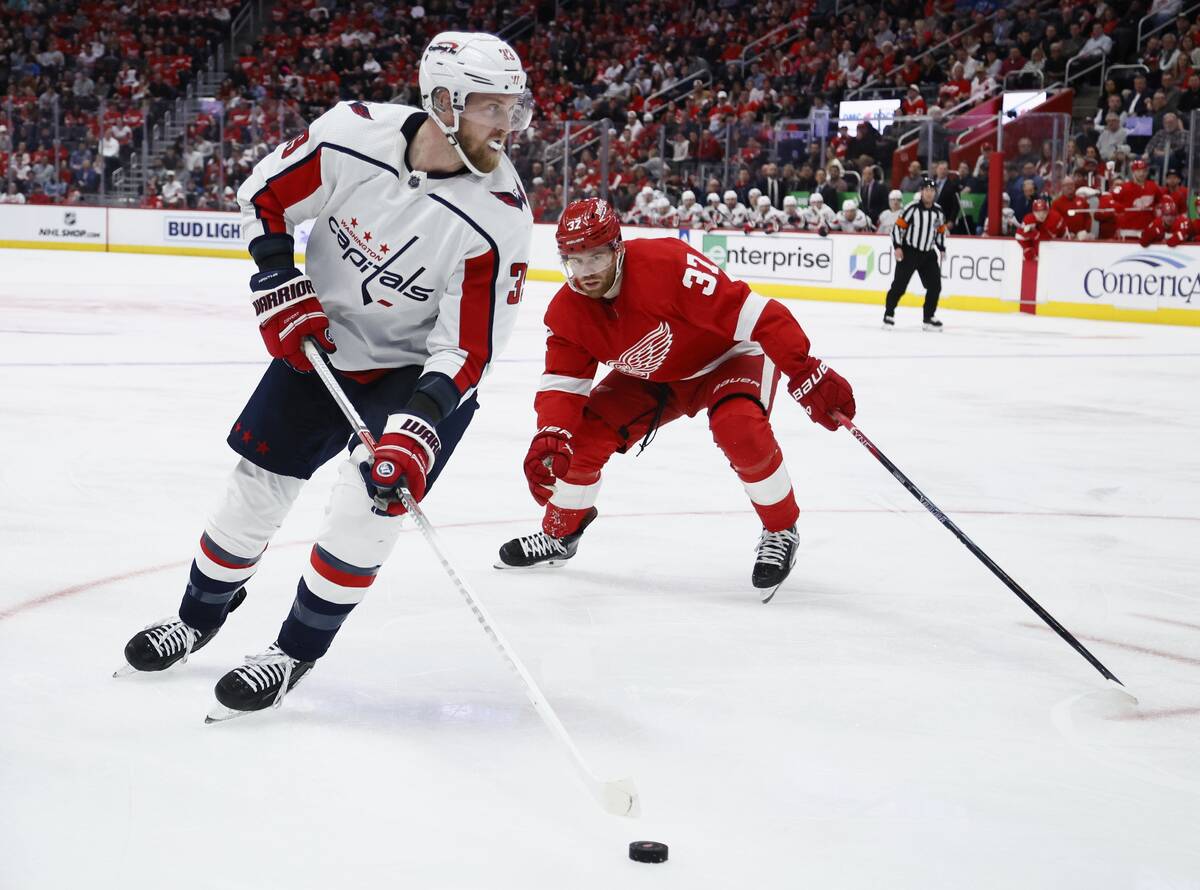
{"x": 514, "y": 199}
{"x": 361, "y": 110}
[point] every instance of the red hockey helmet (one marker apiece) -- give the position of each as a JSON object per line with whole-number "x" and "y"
{"x": 1040, "y": 206}
{"x": 1167, "y": 207}
{"x": 585, "y": 224}
{"x": 589, "y": 243}
{"x": 1138, "y": 164}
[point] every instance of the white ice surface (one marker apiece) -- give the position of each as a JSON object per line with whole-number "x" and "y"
{"x": 895, "y": 718}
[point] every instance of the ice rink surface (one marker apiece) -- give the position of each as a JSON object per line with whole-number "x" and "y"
{"x": 895, "y": 718}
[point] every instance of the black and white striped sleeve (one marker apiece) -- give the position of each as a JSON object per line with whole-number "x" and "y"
{"x": 939, "y": 238}
{"x": 903, "y": 222}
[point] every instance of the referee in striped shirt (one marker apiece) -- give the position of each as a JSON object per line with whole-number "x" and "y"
{"x": 919, "y": 231}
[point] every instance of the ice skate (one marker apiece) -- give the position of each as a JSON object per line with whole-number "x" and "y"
{"x": 261, "y": 682}
{"x": 889, "y": 321}
{"x": 167, "y": 642}
{"x": 541, "y": 550}
{"x": 932, "y": 324}
{"x": 776, "y": 556}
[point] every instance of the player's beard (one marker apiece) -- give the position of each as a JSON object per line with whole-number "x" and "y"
{"x": 482, "y": 156}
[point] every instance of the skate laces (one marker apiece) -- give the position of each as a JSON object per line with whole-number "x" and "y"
{"x": 773, "y": 547}
{"x": 266, "y": 669}
{"x": 170, "y": 635}
{"x": 541, "y": 544}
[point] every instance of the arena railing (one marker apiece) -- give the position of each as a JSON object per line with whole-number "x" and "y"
{"x": 1143, "y": 35}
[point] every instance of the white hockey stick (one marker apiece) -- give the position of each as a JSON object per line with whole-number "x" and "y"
{"x": 618, "y": 797}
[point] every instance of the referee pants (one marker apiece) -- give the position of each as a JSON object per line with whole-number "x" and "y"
{"x": 925, "y": 264}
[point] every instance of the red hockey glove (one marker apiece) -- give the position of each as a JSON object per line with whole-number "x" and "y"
{"x": 288, "y": 311}
{"x": 404, "y": 455}
{"x": 548, "y": 460}
{"x": 821, "y": 391}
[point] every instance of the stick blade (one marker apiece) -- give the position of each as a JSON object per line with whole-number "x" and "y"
{"x": 619, "y": 798}
{"x": 1124, "y": 694}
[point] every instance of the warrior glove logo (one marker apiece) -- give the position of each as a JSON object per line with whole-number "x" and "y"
{"x": 647, "y": 355}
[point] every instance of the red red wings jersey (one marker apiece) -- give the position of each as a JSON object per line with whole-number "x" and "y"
{"x": 1138, "y": 202}
{"x": 1076, "y": 222}
{"x": 675, "y": 317}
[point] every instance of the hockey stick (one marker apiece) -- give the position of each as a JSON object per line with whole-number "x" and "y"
{"x": 618, "y": 797}
{"x": 980, "y": 555}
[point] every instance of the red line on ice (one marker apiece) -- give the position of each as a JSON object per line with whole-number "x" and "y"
{"x": 74, "y": 589}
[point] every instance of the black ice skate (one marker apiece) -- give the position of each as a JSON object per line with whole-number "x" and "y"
{"x": 167, "y": 642}
{"x": 776, "y": 556}
{"x": 932, "y": 324}
{"x": 260, "y": 683}
{"x": 889, "y": 321}
{"x": 541, "y": 550}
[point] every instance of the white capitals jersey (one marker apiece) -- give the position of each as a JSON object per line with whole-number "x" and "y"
{"x": 887, "y": 221}
{"x": 412, "y": 269}
{"x": 691, "y": 214}
{"x": 860, "y": 223}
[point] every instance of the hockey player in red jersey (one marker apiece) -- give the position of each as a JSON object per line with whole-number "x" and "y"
{"x": 681, "y": 338}
{"x": 1169, "y": 226}
{"x": 1040, "y": 224}
{"x": 1136, "y": 199}
{"x": 1073, "y": 209}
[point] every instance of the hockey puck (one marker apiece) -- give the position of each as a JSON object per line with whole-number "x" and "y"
{"x": 648, "y": 851}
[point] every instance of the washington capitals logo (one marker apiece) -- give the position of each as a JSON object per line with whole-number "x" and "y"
{"x": 515, "y": 199}
{"x": 361, "y": 110}
{"x": 444, "y": 46}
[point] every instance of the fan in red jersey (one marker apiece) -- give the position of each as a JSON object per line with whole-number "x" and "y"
{"x": 681, "y": 338}
{"x": 1136, "y": 199}
{"x": 1040, "y": 224}
{"x": 1170, "y": 226}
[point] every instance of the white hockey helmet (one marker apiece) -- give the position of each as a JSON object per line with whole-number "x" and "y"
{"x": 713, "y": 198}
{"x": 849, "y": 204}
{"x": 462, "y": 63}
{"x": 752, "y": 196}
{"x": 662, "y": 202}
{"x": 895, "y": 195}
{"x": 763, "y": 201}
{"x": 789, "y": 201}
{"x": 688, "y": 197}
{"x": 730, "y": 195}
{"x": 816, "y": 198}
{"x": 647, "y": 190}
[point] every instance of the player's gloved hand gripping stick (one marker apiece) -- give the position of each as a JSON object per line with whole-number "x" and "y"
{"x": 618, "y": 797}
{"x": 980, "y": 555}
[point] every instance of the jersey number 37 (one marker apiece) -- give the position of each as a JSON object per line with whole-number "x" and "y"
{"x": 700, "y": 273}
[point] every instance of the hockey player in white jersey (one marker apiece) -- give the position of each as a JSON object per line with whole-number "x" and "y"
{"x": 766, "y": 218}
{"x": 413, "y": 276}
{"x": 887, "y": 218}
{"x": 712, "y": 210}
{"x": 662, "y": 213}
{"x": 851, "y": 219}
{"x": 818, "y": 216}
{"x": 793, "y": 214}
{"x": 690, "y": 214}
{"x": 733, "y": 212}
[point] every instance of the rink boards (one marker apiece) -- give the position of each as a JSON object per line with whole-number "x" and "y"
{"x": 1100, "y": 280}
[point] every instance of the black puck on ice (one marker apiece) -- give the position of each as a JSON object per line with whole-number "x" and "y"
{"x": 648, "y": 851}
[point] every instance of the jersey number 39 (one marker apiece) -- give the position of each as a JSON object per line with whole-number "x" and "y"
{"x": 700, "y": 272}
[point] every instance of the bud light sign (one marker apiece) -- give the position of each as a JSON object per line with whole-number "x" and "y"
{"x": 203, "y": 229}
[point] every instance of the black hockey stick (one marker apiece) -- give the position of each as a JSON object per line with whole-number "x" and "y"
{"x": 978, "y": 552}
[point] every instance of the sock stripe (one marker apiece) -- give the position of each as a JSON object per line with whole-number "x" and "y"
{"x": 340, "y": 572}
{"x": 222, "y": 557}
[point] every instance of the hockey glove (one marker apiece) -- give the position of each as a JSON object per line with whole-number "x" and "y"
{"x": 288, "y": 311}
{"x": 821, "y": 391}
{"x": 548, "y": 460}
{"x": 404, "y": 455}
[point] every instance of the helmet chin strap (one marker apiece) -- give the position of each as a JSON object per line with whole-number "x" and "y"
{"x": 451, "y": 134}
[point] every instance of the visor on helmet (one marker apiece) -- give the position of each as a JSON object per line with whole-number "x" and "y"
{"x": 498, "y": 111}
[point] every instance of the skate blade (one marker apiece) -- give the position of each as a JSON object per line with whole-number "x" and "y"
{"x": 769, "y": 595}
{"x": 549, "y": 564}
{"x": 221, "y": 714}
{"x": 932, "y": 329}
{"x": 124, "y": 671}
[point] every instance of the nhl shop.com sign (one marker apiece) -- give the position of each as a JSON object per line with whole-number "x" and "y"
{"x": 53, "y": 224}
{"x": 797, "y": 258}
